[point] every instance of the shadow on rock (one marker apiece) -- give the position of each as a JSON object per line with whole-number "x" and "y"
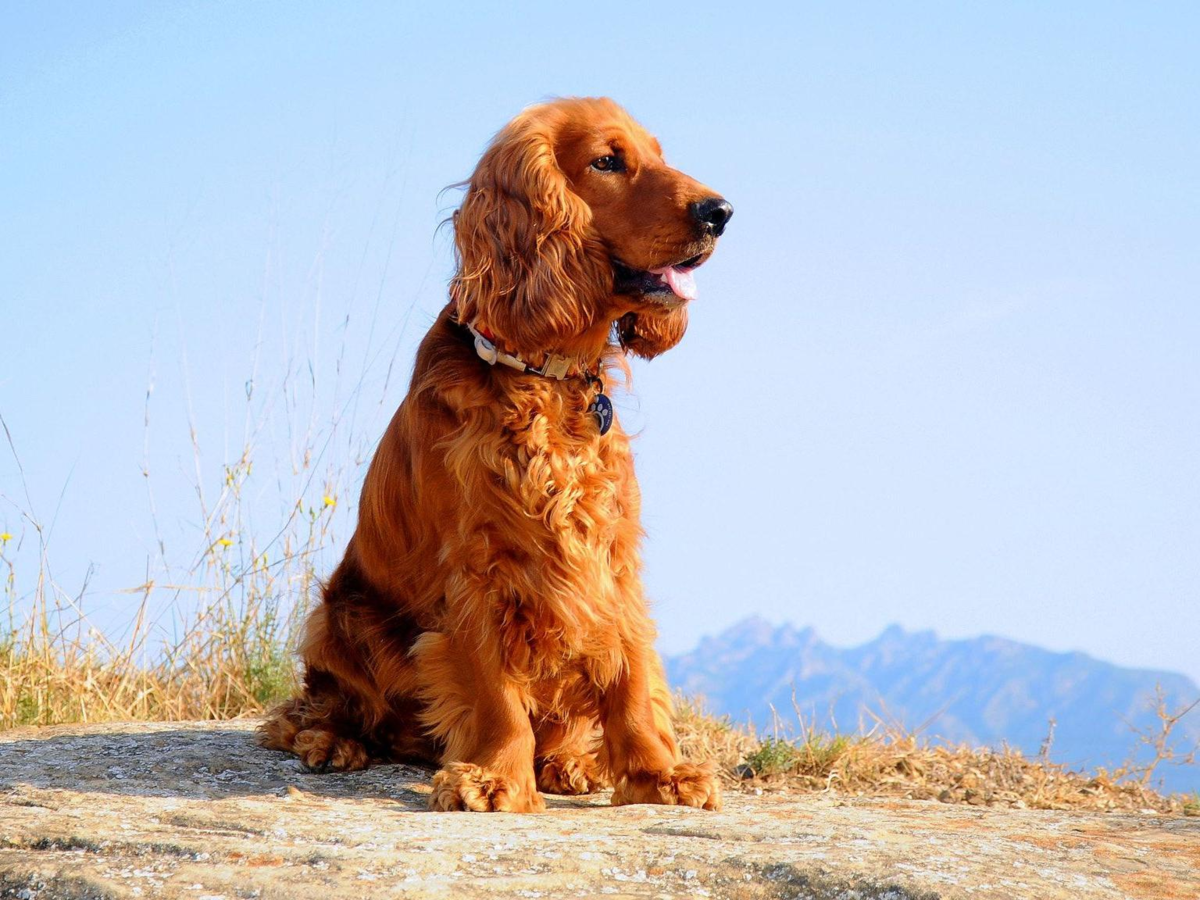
{"x": 215, "y": 762}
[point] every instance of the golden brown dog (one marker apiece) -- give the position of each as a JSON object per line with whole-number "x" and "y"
{"x": 488, "y": 616}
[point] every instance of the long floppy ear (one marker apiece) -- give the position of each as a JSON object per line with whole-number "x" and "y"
{"x": 649, "y": 333}
{"x": 527, "y": 270}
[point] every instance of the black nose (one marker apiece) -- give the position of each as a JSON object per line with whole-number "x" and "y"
{"x": 713, "y": 214}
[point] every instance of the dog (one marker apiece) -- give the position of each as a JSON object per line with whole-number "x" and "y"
{"x": 488, "y": 616}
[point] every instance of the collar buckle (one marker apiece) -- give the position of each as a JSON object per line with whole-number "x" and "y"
{"x": 555, "y": 367}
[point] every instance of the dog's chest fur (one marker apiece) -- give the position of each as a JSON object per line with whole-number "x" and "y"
{"x": 565, "y": 473}
{"x": 558, "y": 600}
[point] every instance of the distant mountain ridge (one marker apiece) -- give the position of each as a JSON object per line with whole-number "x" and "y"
{"x": 983, "y": 691}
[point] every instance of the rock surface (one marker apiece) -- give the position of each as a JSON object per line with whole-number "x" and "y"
{"x": 197, "y": 810}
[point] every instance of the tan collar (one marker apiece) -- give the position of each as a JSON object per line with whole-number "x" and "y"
{"x": 556, "y": 366}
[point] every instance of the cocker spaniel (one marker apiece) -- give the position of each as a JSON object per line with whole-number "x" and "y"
{"x": 488, "y": 616}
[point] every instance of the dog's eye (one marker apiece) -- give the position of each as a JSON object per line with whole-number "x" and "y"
{"x": 608, "y": 164}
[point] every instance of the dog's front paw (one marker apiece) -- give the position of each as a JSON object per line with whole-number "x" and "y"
{"x": 685, "y": 784}
{"x": 470, "y": 787}
{"x": 570, "y": 775}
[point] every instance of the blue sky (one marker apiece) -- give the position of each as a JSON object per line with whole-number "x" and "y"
{"x": 942, "y": 371}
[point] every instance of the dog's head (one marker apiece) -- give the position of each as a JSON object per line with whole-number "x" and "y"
{"x": 571, "y": 222}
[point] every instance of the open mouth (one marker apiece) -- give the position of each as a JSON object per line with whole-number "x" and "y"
{"x": 670, "y": 281}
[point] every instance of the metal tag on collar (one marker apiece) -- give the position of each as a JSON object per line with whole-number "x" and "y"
{"x": 601, "y": 408}
{"x": 555, "y": 367}
{"x": 602, "y": 411}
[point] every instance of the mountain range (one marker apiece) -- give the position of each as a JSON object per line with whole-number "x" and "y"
{"x": 983, "y": 691}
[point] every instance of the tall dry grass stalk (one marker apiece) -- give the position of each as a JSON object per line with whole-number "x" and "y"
{"x": 209, "y": 633}
{"x": 231, "y": 618}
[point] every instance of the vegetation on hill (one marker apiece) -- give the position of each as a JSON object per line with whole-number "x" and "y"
{"x": 901, "y": 765}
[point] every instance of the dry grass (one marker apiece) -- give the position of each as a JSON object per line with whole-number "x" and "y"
{"x": 209, "y": 639}
{"x": 900, "y": 765}
{"x": 229, "y": 657}
{"x": 228, "y": 578}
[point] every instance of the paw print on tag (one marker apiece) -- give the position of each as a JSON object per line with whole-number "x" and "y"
{"x": 602, "y": 409}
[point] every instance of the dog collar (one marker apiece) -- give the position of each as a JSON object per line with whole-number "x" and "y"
{"x": 556, "y": 367}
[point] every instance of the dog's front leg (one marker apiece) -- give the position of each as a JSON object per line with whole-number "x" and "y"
{"x": 481, "y": 717}
{"x": 640, "y": 741}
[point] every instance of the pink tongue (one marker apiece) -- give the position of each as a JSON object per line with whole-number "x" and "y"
{"x": 678, "y": 280}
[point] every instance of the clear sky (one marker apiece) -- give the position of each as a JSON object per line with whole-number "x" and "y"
{"x": 943, "y": 370}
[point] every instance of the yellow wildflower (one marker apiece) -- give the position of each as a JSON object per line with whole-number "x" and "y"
{"x": 225, "y": 542}
{"x": 330, "y": 501}
{"x": 5, "y": 537}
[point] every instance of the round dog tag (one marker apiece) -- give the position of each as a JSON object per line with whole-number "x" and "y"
{"x": 602, "y": 409}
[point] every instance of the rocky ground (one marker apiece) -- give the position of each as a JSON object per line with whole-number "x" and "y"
{"x": 198, "y": 811}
